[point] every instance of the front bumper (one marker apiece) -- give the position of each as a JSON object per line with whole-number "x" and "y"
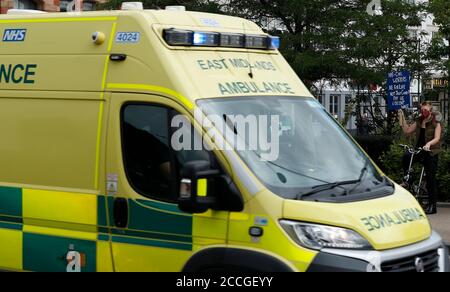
{"x": 399, "y": 259}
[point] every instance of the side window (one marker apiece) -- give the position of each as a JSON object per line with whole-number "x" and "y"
{"x": 152, "y": 166}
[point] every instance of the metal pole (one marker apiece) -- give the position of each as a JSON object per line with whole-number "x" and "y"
{"x": 448, "y": 88}
{"x": 419, "y": 76}
{"x": 447, "y": 104}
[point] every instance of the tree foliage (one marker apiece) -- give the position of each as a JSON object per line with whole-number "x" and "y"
{"x": 440, "y": 50}
{"x": 441, "y": 45}
{"x": 193, "y": 5}
{"x": 441, "y": 12}
{"x": 326, "y": 39}
{"x": 334, "y": 40}
{"x": 338, "y": 40}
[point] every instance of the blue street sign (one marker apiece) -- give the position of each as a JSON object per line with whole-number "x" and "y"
{"x": 399, "y": 90}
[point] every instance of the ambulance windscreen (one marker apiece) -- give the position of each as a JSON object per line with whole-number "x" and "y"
{"x": 294, "y": 147}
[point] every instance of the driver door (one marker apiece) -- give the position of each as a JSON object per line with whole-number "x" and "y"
{"x": 147, "y": 230}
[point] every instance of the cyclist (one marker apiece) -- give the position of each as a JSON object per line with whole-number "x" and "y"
{"x": 427, "y": 130}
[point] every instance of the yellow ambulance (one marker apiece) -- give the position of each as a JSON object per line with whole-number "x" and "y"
{"x": 91, "y": 179}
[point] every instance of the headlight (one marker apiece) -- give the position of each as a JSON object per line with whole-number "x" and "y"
{"x": 317, "y": 237}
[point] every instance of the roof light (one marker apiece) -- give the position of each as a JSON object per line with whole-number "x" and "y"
{"x": 274, "y": 42}
{"x": 175, "y": 37}
{"x": 179, "y": 37}
{"x": 132, "y": 6}
{"x": 206, "y": 39}
{"x": 232, "y": 40}
{"x": 256, "y": 41}
{"x": 176, "y": 8}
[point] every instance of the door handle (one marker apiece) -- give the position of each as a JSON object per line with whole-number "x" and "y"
{"x": 120, "y": 212}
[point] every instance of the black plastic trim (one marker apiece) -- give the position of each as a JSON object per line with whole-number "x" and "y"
{"x": 120, "y": 212}
{"x": 326, "y": 263}
{"x": 234, "y": 260}
{"x": 446, "y": 259}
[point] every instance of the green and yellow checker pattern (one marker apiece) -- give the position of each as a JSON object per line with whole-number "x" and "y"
{"x": 38, "y": 228}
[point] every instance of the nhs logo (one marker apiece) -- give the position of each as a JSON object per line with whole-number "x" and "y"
{"x": 14, "y": 35}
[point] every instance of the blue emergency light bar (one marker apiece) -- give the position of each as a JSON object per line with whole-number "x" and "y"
{"x": 188, "y": 38}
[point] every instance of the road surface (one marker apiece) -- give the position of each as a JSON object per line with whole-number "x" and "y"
{"x": 441, "y": 223}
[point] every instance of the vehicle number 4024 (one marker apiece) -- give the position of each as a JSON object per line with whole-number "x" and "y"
{"x": 128, "y": 37}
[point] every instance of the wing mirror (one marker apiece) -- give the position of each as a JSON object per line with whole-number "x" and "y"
{"x": 203, "y": 188}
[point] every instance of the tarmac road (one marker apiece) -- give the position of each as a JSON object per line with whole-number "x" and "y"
{"x": 441, "y": 223}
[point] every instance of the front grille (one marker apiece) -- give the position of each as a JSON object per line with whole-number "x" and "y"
{"x": 429, "y": 259}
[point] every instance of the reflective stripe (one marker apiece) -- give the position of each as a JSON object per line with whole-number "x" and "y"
{"x": 9, "y": 225}
{"x": 61, "y": 232}
{"x": 72, "y": 19}
{"x": 113, "y": 33}
{"x": 152, "y": 242}
{"x": 105, "y": 69}
{"x": 153, "y": 88}
{"x": 98, "y": 144}
{"x": 101, "y": 108}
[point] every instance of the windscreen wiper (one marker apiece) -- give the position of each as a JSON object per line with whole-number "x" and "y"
{"x": 364, "y": 172}
{"x": 325, "y": 187}
{"x": 330, "y": 186}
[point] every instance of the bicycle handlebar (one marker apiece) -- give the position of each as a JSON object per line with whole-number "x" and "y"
{"x": 412, "y": 150}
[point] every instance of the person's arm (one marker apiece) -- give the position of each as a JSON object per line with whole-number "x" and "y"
{"x": 407, "y": 129}
{"x": 437, "y": 138}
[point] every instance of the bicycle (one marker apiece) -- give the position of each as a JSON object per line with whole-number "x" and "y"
{"x": 418, "y": 190}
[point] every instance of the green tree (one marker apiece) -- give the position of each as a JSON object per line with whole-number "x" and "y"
{"x": 338, "y": 40}
{"x": 313, "y": 32}
{"x": 441, "y": 49}
{"x": 193, "y": 5}
{"x": 382, "y": 44}
{"x": 332, "y": 40}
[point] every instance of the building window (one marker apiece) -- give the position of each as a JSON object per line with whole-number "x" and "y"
{"x": 63, "y": 5}
{"x": 25, "y": 4}
{"x": 334, "y": 104}
{"x": 87, "y": 5}
{"x": 348, "y": 99}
